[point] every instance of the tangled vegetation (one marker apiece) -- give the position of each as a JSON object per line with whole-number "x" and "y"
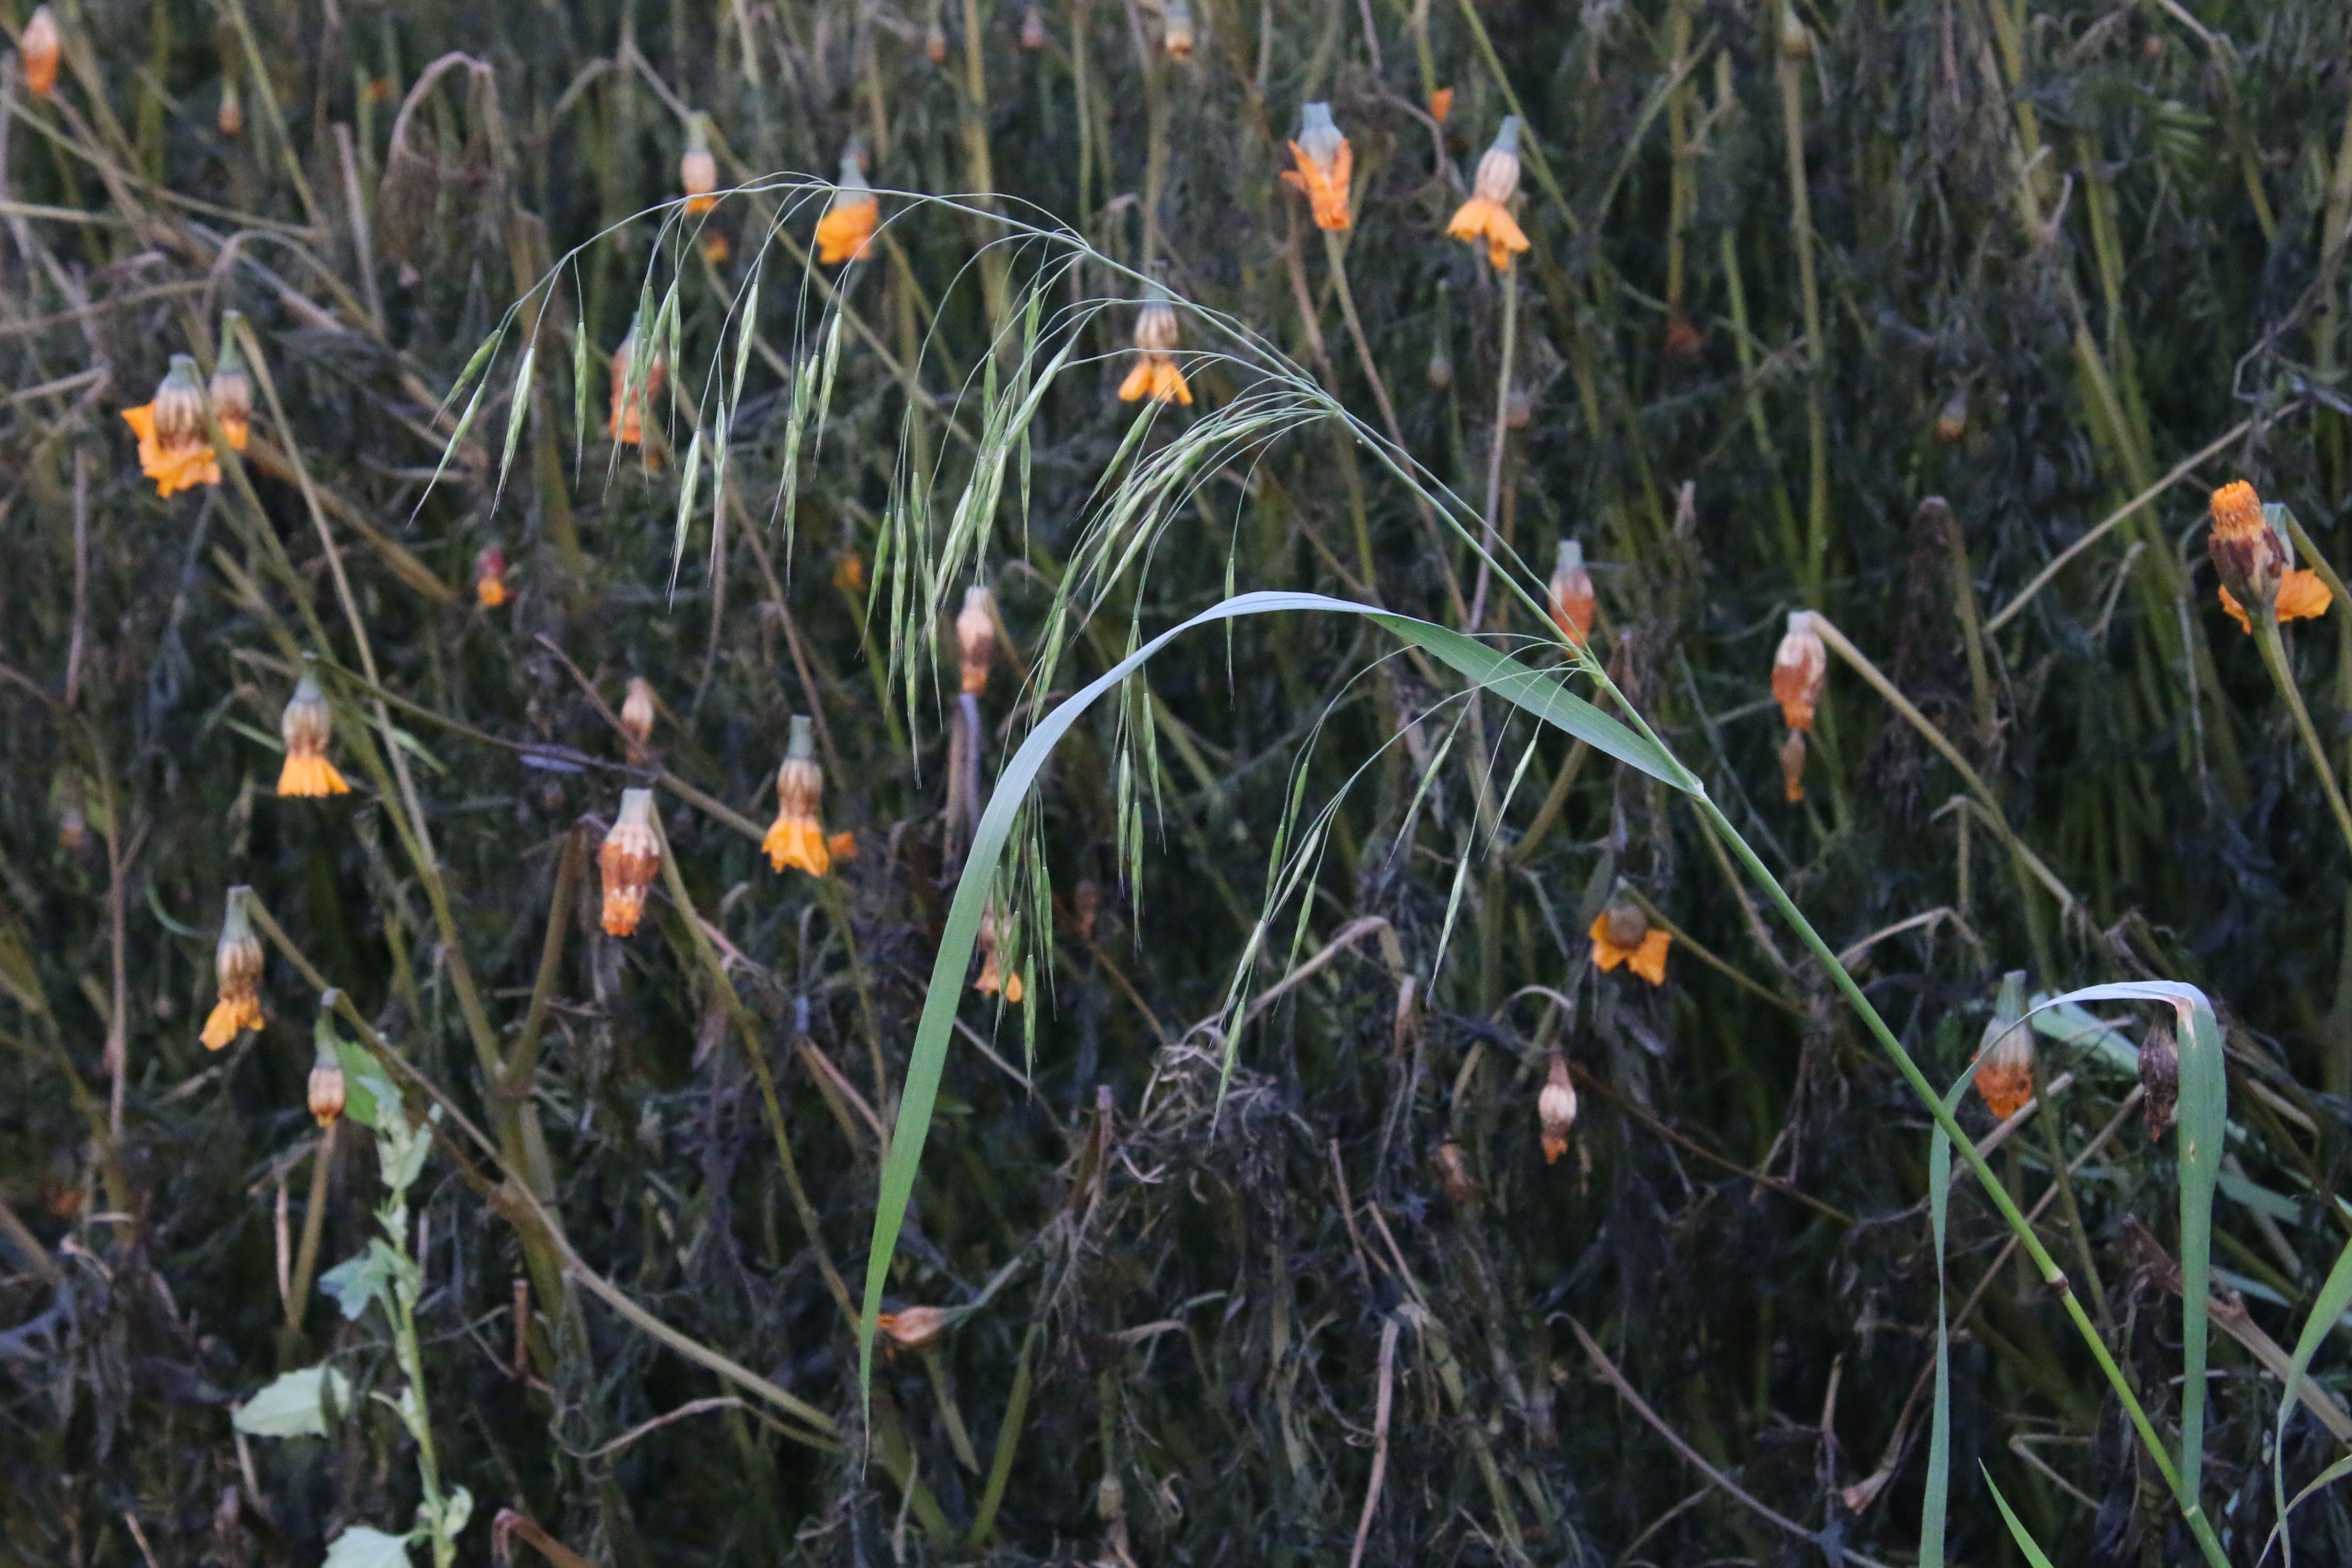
{"x": 1155, "y": 781}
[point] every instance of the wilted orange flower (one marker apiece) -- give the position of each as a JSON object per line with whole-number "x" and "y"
{"x": 231, "y": 388}
{"x": 1800, "y": 669}
{"x": 173, "y": 450}
{"x": 1621, "y": 934}
{"x": 992, "y": 980}
{"x": 634, "y": 387}
{"x": 1555, "y": 1109}
{"x": 1155, "y": 375}
{"x": 637, "y": 718}
{"x": 2302, "y": 596}
{"x": 915, "y": 1327}
{"x": 39, "y": 44}
{"x": 306, "y": 726}
{"x": 629, "y": 859}
{"x": 716, "y": 249}
{"x": 1793, "y": 766}
{"x": 1570, "y": 595}
{"x": 2006, "y": 1079}
{"x": 1952, "y": 420}
{"x": 236, "y": 977}
{"x": 976, "y": 628}
{"x": 1441, "y": 104}
{"x": 490, "y": 577}
{"x": 1176, "y": 22}
{"x": 697, "y": 171}
{"x": 797, "y": 837}
{"x": 1325, "y": 163}
{"x": 842, "y": 845}
{"x": 326, "y": 1086}
{"x": 846, "y": 230}
{"x": 849, "y": 572}
{"x": 1488, "y": 213}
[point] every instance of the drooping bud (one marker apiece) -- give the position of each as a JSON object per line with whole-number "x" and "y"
{"x": 326, "y": 1088}
{"x": 180, "y": 404}
{"x": 1156, "y": 375}
{"x": 38, "y": 44}
{"x": 1793, "y": 766}
{"x": 637, "y": 719}
{"x": 1086, "y": 901}
{"x": 2006, "y": 1079}
{"x": 236, "y": 975}
{"x": 913, "y": 1328}
{"x": 1176, "y": 22}
{"x": 1498, "y": 170}
{"x": 975, "y": 628}
{"x": 1683, "y": 339}
{"x": 490, "y": 589}
{"x": 1555, "y": 1109}
{"x": 1570, "y": 595}
{"x": 1518, "y": 408}
{"x": 935, "y": 43}
{"x": 797, "y": 836}
{"x": 1796, "y": 38}
{"x": 697, "y": 171}
{"x": 1952, "y": 421}
{"x": 2159, "y": 1076}
{"x": 231, "y": 388}
{"x": 1454, "y": 1172}
{"x": 1033, "y": 30}
{"x": 232, "y": 108}
{"x": 1488, "y": 213}
{"x": 993, "y": 981}
{"x": 305, "y": 727}
{"x": 1326, "y": 165}
{"x": 1800, "y": 669}
{"x": 630, "y": 856}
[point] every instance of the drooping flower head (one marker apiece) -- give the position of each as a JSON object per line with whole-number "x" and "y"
{"x": 627, "y": 860}
{"x": 975, "y": 628}
{"x": 914, "y": 1328}
{"x": 231, "y": 388}
{"x": 231, "y": 118}
{"x": 1488, "y": 213}
{"x": 1555, "y": 1109}
{"x": 697, "y": 171}
{"x": 1156, "y": 375}
{"x": 306, "y": 726}
{"x": 1033, "y": 30}
{"x": 1800, "y": 669}
{"x": 173, "y": 450}
{"x": 1326, "y": 164}
{"x": 490, "y": 589}
{"x": 993, "y": 980}
{"x": 1176, "y": 25}
{"x": 326, "y": 1086}
{"x": 2256, "y": 563}
{"x": 39, "y": 44}
{"x": 846, "y": 230}
{"x": 1441, "y": 104}
{"x": 1570, "y": 594}
{"x": 634, "y": 387}
{"x": 2006, "y": 1079}
{"x": 637, "y": 718}
{"x": 797, "y": 837}
{"x": 1793, "y": 766}
{"x": 1621, "y": 934}
{"x": 236, "y": 976}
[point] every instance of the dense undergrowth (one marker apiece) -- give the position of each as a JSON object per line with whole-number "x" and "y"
{"x": 1941, "y": 318}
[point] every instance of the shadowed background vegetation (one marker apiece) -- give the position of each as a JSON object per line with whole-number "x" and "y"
{"x": 1795, "y": 273}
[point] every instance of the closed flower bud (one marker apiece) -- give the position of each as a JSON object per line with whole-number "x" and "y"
{"x": 1454, "y": 1172}
{"x": 231, "y": 109}
{"x": 975, "y": 630}
{"x": 2006, "y": 1079}
{"x": 1086, "y": 900}
{"x": 305, "y": 727}
{"x": 39, "y": 44}
{"x": 1683, "y": 339}
{"x": 1555, "y": 1109}
{"x": 1176, "y": 21}
{"x": 490, "y": 589}
{"x": 1796, "y": 38}
{"x": 1570, "y": 595}
{"x": 326, "y": 1095}
{"x": 1033, "y": 30}
{"x": 231, "y": 388}
{"x": 797, "y": 837}
{"x": 2159, "y": 1076}
{"x": 697, "y": 171}
{"x": 1800, "y": 669}
{"x": 1952, "y": 422}
{"x": 637, "y": 718}
{"x": 1498, "y": 170}
{"x": 1440, "y": 368}
{"x": 1518, "y": 409}
{"x": 630, "y": 856}
{"x": 915, "y": 1327}
{"x": 236, "y": 976}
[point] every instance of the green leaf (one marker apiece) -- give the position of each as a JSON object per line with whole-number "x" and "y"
{"x": 2017, "y": 1532}
{"x": 1541, "y": 693}
{"x": 2334, "y": 1297}
{"x": 293, "y": 1405}
{"x": 366, "y": 1091}
{"x": 360, "y": 1547}
{"x": 363, "y": 1278}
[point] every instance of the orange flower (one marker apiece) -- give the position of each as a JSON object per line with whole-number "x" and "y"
{"x": 634, "y": 387}
{"x": 1326, "y": 161}
{"x": 1155, "y": 375}
{"x": 842, "y": 845}
{"x": 992, "y": 980}
{"x": 716, "y": 249}
{"x": 1800, "y": 669}
{"x": 797, "y": 837}
{"x": 306, "y": 726}
{"x": 1488, "y": 213}
{"x": 627, "y": 860}
{"x": 1569, "y": 597}
{"x": 976, "y": 628}
{"x": 849, "y": 572}
{"x": 2006, "y": 1079}
{"x": 236, "y": 974}
{"x": 1621, "y": 934}
{"x": 231, "y": 388}
{"x": 1793, "y": 766}
{"x": 326, "y": 1086}
{"x": 1441, "y": 104}
{"x": 846, "y": 230}
{"x": 697, "y": 171}
{"x": 2248, "y": 554}
{"x": 39, "y": 44}
{"x": 2301, "y": 597}
{"x": 490, "y": 577}
{"x": 1555, "y": 1109}
{"x": 173, "y": 450}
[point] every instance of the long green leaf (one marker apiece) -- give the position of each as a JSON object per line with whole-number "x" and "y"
{"x": 2334, "y": 1297}
{"x": 2017, "y": 1530}
{"x": 1537, "y": 691}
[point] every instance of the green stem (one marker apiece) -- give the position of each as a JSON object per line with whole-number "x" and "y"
{"x": 2275, "y": 658}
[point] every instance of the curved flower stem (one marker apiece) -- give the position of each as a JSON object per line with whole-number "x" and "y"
{"x": 1491, "y": 520}
{"x": 2274, "y": 657}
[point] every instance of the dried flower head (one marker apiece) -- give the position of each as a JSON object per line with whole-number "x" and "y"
{"x": 231, "y": 388}
{"x": 326, "y": 1088}
{"x": 1570, "y": 595}
{"x": 992, "y": 980}
{"x": 1555, "y": 1109}
{"x": 636, "y": 384}
{"x": 637, "y": 718}
{"x": 1176, "y": 29}
{"x": 697, "y": 171}
{"x": 1793, "y": 766}
{"x": 231, "y": 118}
{"x": 976, "y": 628}
{"x": 1800, "y": 668}
{"x": 2006, "y": 1079}
{"x": 306, "y": 726}
{"x": 1156, "y": 375}
{"x": 1488, "y": 213}
{"x": 847, "y": 227}
{"x": 1454, "y": 1172}
{"x": 2160, "y": 1075}
{"x": 630, "y": 856}
{"x": 1326, "y": 164}
{"x": 913, "y": 1328}
{"x": 173, "y": 450}
{"x": 1033, "y": 30}
{"x": 797, "y": 837}
{"x": 1621, "y": 934}
{"x": 39, "y": 44}
{"x": 490, "y": 589}
{"x": 236, "y": 976}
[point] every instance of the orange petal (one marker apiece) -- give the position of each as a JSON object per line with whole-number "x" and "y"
{"x": 2302, "y": 596}
{"x": 1137, "y": 383}
{"x": 220, "y": 1025}
{"x": 2237, "y": 613}
{"x": 1649, "y": 960}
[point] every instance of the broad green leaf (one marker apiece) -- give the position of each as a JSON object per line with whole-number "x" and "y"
{"x": 293, "y": 1405}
